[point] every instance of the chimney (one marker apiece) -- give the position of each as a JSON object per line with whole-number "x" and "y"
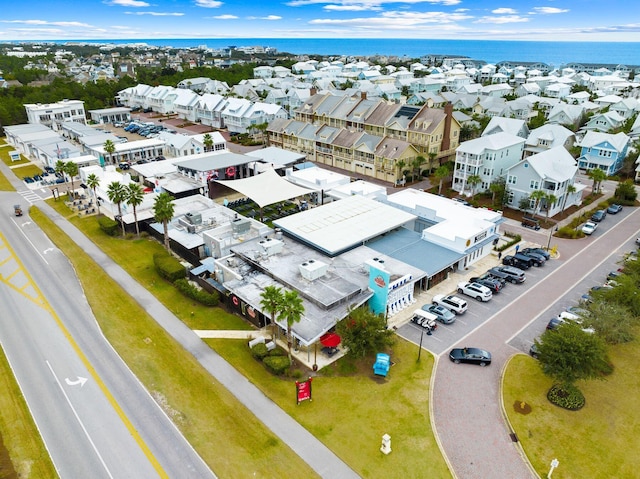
{"x": 363, "y": 95}
{"x": 446, "y": 138}
{"x": 313, "y": 91}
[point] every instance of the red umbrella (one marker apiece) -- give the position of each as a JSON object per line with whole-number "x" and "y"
{"x": 330, "y": 340}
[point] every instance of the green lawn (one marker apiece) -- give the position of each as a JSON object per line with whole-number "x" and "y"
{"x": 27, "y": 170}
{"x": 350, "y": 413}
{"x": 229, "y": 438}
{"x": 600, "y": 440}
{"x": 21, "y": 437}
{"x": 5, "y": 184}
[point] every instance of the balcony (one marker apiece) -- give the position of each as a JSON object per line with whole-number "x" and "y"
{"x": 474, "y": 161}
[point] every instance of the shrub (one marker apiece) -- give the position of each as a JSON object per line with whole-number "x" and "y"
{"x": 109, "y": 226}
{"x": 259, "y": 351}
{"x": 566, "y": 396}
{"x": 197, "y": 294}
{"x": 277, "y": 364}
{"x": 168, "y": 267}
{"x": 569, "y": 232}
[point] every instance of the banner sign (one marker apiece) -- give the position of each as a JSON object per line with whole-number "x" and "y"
{"x": 303, "y": 391}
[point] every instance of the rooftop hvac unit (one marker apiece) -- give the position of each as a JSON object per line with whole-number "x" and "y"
{"x": 313, "y": 269}
{"x": 184, "y": 222}
{"x": 271, "y": 246}
{"x": 241, "y": 225}
{"x": 191, "y": 229}
{"x": 194, "y": 218}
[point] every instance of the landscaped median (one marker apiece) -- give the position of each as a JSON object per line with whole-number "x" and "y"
{"x": 599, "y": 440}
{"x": 351, "y": 409}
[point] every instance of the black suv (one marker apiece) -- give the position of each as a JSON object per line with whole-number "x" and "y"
{"x": 521, "y": 263}
{"x": 488, "y": 276}
{"x": 539, "y": 251}
{"x": 509, "y": 273}
{"x": 494, "y": 284}
{"x": 536, "y": 259}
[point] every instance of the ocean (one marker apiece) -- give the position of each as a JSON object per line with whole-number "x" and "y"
{"x": 555, "y": 54}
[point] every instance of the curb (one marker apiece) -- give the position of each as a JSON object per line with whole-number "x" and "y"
{"x": 434, "y": 429}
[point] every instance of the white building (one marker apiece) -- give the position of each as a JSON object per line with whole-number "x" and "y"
{"x": 53, "y": 114}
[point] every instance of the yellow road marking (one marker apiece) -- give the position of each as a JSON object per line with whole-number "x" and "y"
{"x": 46, "y": 306}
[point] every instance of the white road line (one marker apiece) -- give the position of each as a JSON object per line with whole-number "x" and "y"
{"x": 64, "y": 393}
{"x": 27, "y": 238}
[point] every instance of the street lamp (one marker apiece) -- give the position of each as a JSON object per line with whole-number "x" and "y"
{"x": 420, "y": 348}
{"x": 551, "y": 231}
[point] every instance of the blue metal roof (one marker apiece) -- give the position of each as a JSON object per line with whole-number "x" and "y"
{"x": 409, "y": 247}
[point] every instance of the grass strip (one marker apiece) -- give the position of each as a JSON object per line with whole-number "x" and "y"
{"x": 228, "y": 437}
{"x": 599, "y": 440}
{"x": 26, "y": 450}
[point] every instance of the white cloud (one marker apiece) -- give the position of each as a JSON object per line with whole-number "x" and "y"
{"x": 226, "y": 17}
{"x": 503, "y": 19}
{"x": 351, "y": 8}
{"x": 397, "y": 20}
{"x": 268, "y": 17}
{"x": 549, "y": 10}
{"x": 128, "y": 3}
{"x": 44, "y": 22}
{"x": 157, "y": 14}
{"x": 363, "y": 4}
{"x": 504, "y": 11}
{"x": 208, "y": 3}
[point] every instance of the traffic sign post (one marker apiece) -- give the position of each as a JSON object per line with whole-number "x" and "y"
{"x": 555, "y": 463}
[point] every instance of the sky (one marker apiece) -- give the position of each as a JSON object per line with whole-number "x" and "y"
{"x": 535, "y": 20}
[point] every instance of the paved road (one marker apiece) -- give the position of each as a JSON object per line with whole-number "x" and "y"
{"x": 107, "y": 427}
{"x": 468, "y": 398}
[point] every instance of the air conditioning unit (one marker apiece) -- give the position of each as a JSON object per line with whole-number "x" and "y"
{"x": 191, "y": 229}
{"x": 313, "y": 269}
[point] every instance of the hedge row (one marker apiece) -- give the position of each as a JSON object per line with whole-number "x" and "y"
{"x": 195, "y": 293}
{"x": 276, "y": 360}
{"x": 168, "y": 267}
{"x": 109, "y": 226}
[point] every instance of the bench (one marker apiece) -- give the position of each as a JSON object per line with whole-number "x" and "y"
{"x": 255, "y": 341}
{"x": 270, "y": 346}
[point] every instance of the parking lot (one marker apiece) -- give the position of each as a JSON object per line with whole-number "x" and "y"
{"x": 480, "y": 313}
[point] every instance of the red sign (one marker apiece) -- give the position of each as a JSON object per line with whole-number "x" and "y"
{"x": 303, "y": 391}
{"x": 379, "y": 280}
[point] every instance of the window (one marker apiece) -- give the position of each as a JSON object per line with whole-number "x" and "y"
{"x": 512, "y": 180}
{"x": 510, "y": 196}
{"x": 533, "y": 184}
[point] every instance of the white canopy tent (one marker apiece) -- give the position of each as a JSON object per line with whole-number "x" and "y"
{"x": 266, "y": 188}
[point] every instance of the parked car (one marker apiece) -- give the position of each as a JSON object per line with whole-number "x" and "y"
{"x": 488, "y": 275}
{"x": 124, "y": 165}
{"x": 554, "y": 323}
{"x": 614, "y": 274}
{"x": 599, "y": 216}
{"x": 475, "y": 290}
{"x": 470, "y": 355}
{"x": 614, "y": 209}
{"x": 533, "y": 351}
{"x": 441, "y": 313}
{"x": 451, "y": 302}
{"x": 540, "y": 251}
{"x": 512, "y": 260}
{"x": 510, "y": 273}
{"x": 589, "y": 227}
{"x": 494, "y": 284}
{"x": 536, "y": 259}
{"x": 529, "y": 222}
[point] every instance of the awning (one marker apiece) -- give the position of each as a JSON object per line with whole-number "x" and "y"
{"x": 330, "y": 340}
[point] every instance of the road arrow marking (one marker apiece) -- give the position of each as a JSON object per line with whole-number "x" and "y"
{"x": 26, "y": 223}
{"x": 48, "y": 249}
{"x": 80, "y": 381}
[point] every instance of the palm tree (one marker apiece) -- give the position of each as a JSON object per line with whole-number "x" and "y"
{"x": 109, "y": 148}
{"x": 59, "y": 169}
{"x": 497, "y": 186}
{"x": 417, "y": 162}
{"x": 93, "y": 182}
{"x": 598, "y": 176}
{"x": 134, "y": 196}
{"x": 270, "y": 300}
{"x": 571, "y": 189}
{"x": 537, "y": 196}
{"x": 550, "y": 199}
{"x": 163, "y": 209}
{"x": 207, "y": 141}
{"x": 116, "y": 192}
{"x": 472, "y": 182}
{"x": 71, "y": 169}
{"x": 292, "y": 310}
{"x": 441, "y": 173}
{"x": 400, "y": 165}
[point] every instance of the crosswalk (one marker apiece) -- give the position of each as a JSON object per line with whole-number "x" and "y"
{"x": 30, "y": 196}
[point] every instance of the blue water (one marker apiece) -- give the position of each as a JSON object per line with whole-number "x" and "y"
{"x": 554, "y": 54}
